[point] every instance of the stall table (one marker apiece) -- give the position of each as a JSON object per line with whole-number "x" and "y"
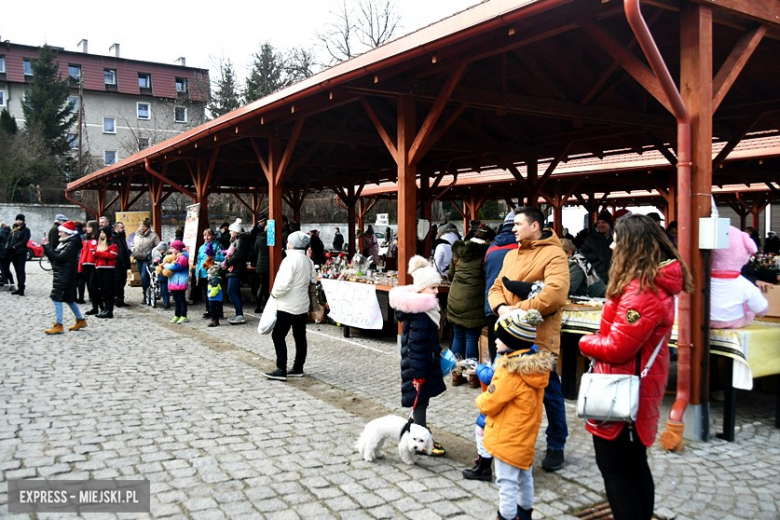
{"x": 751, "y": 352}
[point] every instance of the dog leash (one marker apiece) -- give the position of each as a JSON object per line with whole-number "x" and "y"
{"x": 410, "y": 421}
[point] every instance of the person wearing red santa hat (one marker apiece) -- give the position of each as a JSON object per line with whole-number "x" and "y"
{"x": 64, "y": 259}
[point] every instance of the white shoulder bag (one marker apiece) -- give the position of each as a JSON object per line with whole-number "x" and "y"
{"x": 268, "y": 318}
{"x": 612, "y": 397}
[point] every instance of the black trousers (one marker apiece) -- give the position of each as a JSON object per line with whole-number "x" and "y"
{"x": 180, "y": 303}
{"x": 491, "y": 323}
{"x": 91, "y": 281}
{"x": 19, "y": 262}
{"x": 106, "y": 282}
{"x": 261, "y": 291}
{"x": 5, "y": 267}
{"x": 284, "y": 322}
{"x": 120, "y": 281}
{"x": 198, "y": 290}
{"x": 627, "y": 477}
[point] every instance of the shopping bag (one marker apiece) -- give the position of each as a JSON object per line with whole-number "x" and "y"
{"x": 448, "y": 362}
{"x": 268, "y": 319}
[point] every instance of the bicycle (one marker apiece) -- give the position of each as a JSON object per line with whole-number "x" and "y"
{"x": 44, "y": 263}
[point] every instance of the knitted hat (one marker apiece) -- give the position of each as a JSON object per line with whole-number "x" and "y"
{"x": 178, "y": 245}
{"x": 262, "y": 217}
{"x": 108, "y": 230}
{"x": 510, "y": 218}
{"x": 147, "y": 222}
{"x": 606, "y": 217}
{"x": 68, "y": 227}
{"x": 20, "y": 216}
{"x": 298, "y": 239}
{"x": 236, "y": 226}
{"x": 61, "y": 217}
{"x": 423, "y": 274}
{"x": 517, "y": 329}
{"x": 162, "y": 247}
{"x": 214, "y": 270}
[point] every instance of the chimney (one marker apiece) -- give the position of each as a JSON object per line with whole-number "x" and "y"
{"x": 82, "y": 46}
{"x": 181, "y": 61}
{"x": 114, "y": 49}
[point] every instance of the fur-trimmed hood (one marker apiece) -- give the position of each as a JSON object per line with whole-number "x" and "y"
{"x": 534, "y": 368}
{"x": 469, "y": 250}
{"x": 404, "y": 298}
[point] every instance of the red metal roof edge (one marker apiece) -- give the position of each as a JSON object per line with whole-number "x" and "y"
{"x": 61, "y": 51}
{"x": 477, "y": 19}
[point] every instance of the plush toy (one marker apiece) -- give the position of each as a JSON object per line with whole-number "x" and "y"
{"x": 169, "y": 259}
{"x": 734, "y": 301}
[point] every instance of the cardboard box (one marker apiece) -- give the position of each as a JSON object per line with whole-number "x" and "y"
{"x": 773, "y": 296}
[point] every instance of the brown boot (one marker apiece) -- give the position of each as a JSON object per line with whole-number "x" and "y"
{"x": 214, "y": 322}
{"x": 474, "y": 381}
{"x": 56, "y": 328}
{"x": 458, "y": 379}
{"x": 80, "y": 324}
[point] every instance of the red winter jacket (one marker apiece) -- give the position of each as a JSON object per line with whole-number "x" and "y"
{"x": 637, "y": 319}
{"x": 87, "y": 253}
{"x": 106, "y": 259}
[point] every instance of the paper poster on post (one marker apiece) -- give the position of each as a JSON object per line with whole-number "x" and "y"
{"x": 353, "y": 304}
{"x": 270, "y": 233}
{"x": 382, "y": 219}
{"x": 191, "y": 231}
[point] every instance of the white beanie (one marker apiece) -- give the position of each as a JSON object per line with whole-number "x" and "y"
{"x": 298, "y": 239}
{"x": 423, "y": 274}
{"x": 510, "y": 218}
{"x": 236, "y": 226}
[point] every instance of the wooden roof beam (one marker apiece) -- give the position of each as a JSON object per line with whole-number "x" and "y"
{"x": 766, "y": 11}
{"x": 734, "y": 64}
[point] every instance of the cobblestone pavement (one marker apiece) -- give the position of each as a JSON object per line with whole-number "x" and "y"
{"x": 186, "y": 407}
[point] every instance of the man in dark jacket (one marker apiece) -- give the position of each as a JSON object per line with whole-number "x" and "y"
{"x": 260, "y": 262}
{"x": 65, "y": 264}
{"x": 6, "y": 278}
{"x": 338, "y": 240}
{"x": 54, "y": 231}
{"x": 17, "y": 251}
{"x": 504, "y": 242}
{"x": 596, "y": 247}
{"x": 122, "y": 264}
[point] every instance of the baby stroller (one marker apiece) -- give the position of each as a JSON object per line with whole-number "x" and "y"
{"x": 153, "y": 291}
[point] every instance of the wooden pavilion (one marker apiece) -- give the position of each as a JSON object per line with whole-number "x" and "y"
{"x": 517, "y": 85}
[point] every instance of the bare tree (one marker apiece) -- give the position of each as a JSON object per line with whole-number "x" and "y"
{"x": 354, "y": 29}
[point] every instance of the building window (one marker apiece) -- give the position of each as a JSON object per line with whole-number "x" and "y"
{"x": 2, "y": 64}
{"x": 144, "y": 80}
{"x": 74, "y": 102}
{"x": 109, "y": 157}
{"x": 180, "y": 114}
{"x": 144, "y": 110}
{"x": 181, "y": 84}
{"x": 109, "y": 125}
{"x": 27, "y": 65}
{"x": 2, "y": 98}
{"x": 74, "y": 73}
{"x": 109, "y": 76}
{"x": 73, "y": 141}
{"x": 143, "y": 143}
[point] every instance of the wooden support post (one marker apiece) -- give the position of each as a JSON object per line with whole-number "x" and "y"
{"x": 696, "y": 89}
{"x": 407, "y": 188}
{"x": 155, "y": 193}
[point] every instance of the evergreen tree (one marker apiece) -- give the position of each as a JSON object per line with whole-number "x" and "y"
{"x": 226, "y": 97}
{"x": 267, "y": 75}
{"x": 8, "y": 123}
{"x": 45, "y": 105}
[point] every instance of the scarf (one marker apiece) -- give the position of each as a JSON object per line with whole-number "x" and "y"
{"x": 434, "y": 314}
{"x": 590, "y": 274}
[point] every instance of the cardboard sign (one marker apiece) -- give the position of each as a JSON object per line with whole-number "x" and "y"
{"x": 353, "y": 304}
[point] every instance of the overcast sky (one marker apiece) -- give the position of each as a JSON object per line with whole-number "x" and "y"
{"x": 201, "y": 31}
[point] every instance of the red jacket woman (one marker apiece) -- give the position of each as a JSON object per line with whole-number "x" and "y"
{"x": 106, "y": 253}
{"x": 645, "y": 276}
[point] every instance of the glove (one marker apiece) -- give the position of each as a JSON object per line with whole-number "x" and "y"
{"x": 519, "y": 289}
{"x": 417, "y": 383}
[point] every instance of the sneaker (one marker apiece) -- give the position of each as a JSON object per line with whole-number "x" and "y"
{"x": 279, "y": 374}
{"x": 175, "y": 319}
{"x": 553, "y": 460}
{"x": 295, "y": 373}
{"x": 237, "y": 320}
{"x": 183, "y": 319}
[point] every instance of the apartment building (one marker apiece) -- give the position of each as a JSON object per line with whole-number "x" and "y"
{"x": 126, "y": 105}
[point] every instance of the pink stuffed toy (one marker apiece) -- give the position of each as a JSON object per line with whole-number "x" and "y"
{"x": 734, "y": 301}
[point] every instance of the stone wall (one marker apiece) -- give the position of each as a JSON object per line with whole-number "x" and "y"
{"x": 39, "y": 217}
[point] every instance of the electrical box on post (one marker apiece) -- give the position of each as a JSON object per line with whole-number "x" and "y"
{"x": 714, "y": 233}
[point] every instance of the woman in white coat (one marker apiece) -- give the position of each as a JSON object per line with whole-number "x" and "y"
{"x": 291, "y": 290}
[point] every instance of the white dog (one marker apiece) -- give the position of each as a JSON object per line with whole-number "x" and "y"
{"x": 411, "y": 439}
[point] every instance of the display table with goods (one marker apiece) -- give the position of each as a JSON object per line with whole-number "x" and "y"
{"x": 750, "y": 352}
{"x": 358, "y": 296}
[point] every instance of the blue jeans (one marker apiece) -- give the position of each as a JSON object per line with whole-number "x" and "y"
{"x": 142, "y": 265}
{"x": 555, "y": 409}
{"x": 73, "y": 307}
{"x": 234, "y": 291}
{"x": 164, "y": 294}
{"x": 465, "y": 342}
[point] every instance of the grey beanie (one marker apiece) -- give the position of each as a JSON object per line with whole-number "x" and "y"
{"x": 298, "y": 239}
